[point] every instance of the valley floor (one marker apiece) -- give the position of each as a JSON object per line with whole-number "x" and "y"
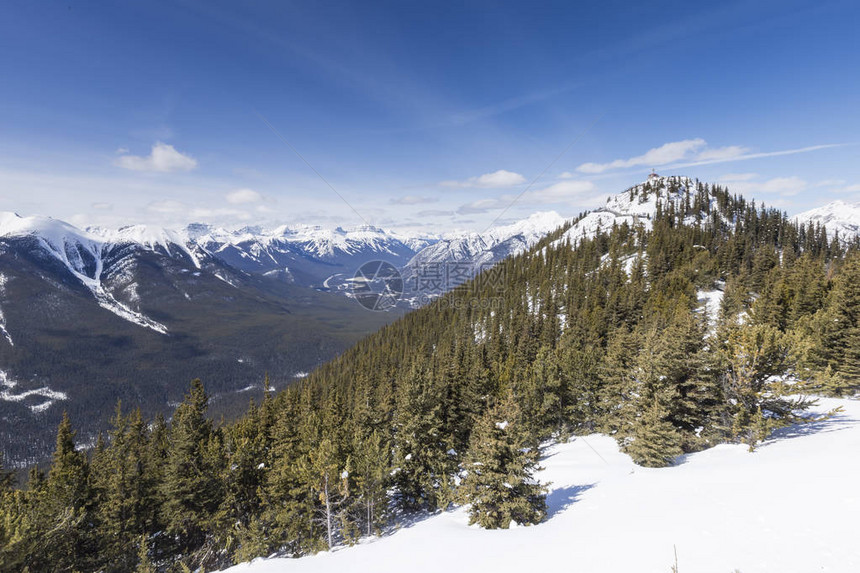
{"x": 792, "y": 505}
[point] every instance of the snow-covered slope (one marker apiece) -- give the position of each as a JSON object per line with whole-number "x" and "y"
{"x": 637, "y": 205}
{"x": 790, "y": 506}
{"x": 837, "y": 217}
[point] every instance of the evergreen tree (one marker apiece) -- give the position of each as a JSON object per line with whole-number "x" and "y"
{"x": 64, "y": 509}
{"x": 423, "y": 472}
{"x": 191, "y": 490}
{"x": 371, "y": 472}
{"x": 125, "y": 490}
{"x": 753, "y": 357}
{"x": 328, "y": 480}
{"x": 7, "y": 479}
{"x": 144, "y": 562}
{"x": 500, "y": 485}
{"x": 655, "y": 441}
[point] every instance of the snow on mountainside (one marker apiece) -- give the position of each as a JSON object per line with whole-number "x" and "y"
{"x": 38, "y": 399}
{"x": 81, "y": 252}
{"x": 322, "y": 242}
{"x": 637, "y": 205}
{"x": 480, "y": 250}
{"x": 789, "y": 506}
{"x": 837, "y": 217}
{"x": 150, "y": 238}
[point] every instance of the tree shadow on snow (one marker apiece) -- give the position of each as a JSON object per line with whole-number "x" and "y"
{"x": 560, "y": 499}
{"x": 406, "y": 519}
{"x": 835, "y": 423}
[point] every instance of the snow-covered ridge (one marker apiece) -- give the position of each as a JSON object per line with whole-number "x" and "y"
{"x": 637, "y": 205}
{"x": 490, "y": 246}
{"x": 837, "y": 217}
{"x": 81, "y": 252}
{"x": 315, "y": 240}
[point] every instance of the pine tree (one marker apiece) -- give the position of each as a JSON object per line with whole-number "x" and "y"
{"x": 655, "y": 441}
{"x": 500, "y": 485}
{"x": 372, "y": 469}
{"x": 144, "y": 563}
{"x": 753, "y": 357}
{"x": 64, "y": 510}
{"x": 191, "y": 489}
{"x": 423, "y": 468}
{"x": 7, "y": 479}
{"x": 125, "y": 490}
{"x": 327, "y": 478}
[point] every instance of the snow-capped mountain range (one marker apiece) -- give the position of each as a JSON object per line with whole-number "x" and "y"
{"x": 326, "y": 258}
{"x": 306, "y": 255}
{"x": 450, "y": 261}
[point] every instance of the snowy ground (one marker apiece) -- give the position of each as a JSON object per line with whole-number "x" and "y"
{"x": 792, "y": 505}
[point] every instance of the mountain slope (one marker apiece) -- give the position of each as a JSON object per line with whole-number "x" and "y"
{"x": 722, "y": 510}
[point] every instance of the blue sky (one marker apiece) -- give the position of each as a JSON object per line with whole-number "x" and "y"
{"x": 423, "y": 116}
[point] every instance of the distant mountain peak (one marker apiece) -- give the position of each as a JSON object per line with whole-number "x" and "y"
{"x": 838, "y": 216}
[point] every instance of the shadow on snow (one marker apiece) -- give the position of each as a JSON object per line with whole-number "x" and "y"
{"x": 561, "y": 498}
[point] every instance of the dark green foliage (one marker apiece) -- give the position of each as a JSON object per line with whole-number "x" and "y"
{"x": 655, "y": 441}
{"x": 500, "y": 485}
{"x": 124, "y": 486}
{"x": 423, "y": 465}
{"x": 191, "y": 490}
{"x": 63, "y": 509}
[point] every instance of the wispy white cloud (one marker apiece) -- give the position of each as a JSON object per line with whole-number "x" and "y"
{"x": 779, "y": 186}
{"x": 435, "y": 213}
{"x": 692, "y": 153}
{"x": 486, "y": 205}
{"x": 570, "y": 191}
{"x": 831, "y": 183}
{"x": 172, "y": 207}
{"x": 697, "y": 161}
{"x": 243, "y": 196}
{"x": 666, "y": 153}
{"x": 838, "y": 186}
{"x": 722, "y": 153}
{"x": 163, "y": 158}
{"x": 495, "y": 180}
{"x": 413, "y": 200}
{"x": 728, "y": 177}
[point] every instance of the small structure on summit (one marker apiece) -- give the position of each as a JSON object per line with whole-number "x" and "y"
{"x": 653, "y": 175}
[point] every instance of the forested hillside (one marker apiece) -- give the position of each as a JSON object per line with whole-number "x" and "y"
{"x": 451, "y": 403}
